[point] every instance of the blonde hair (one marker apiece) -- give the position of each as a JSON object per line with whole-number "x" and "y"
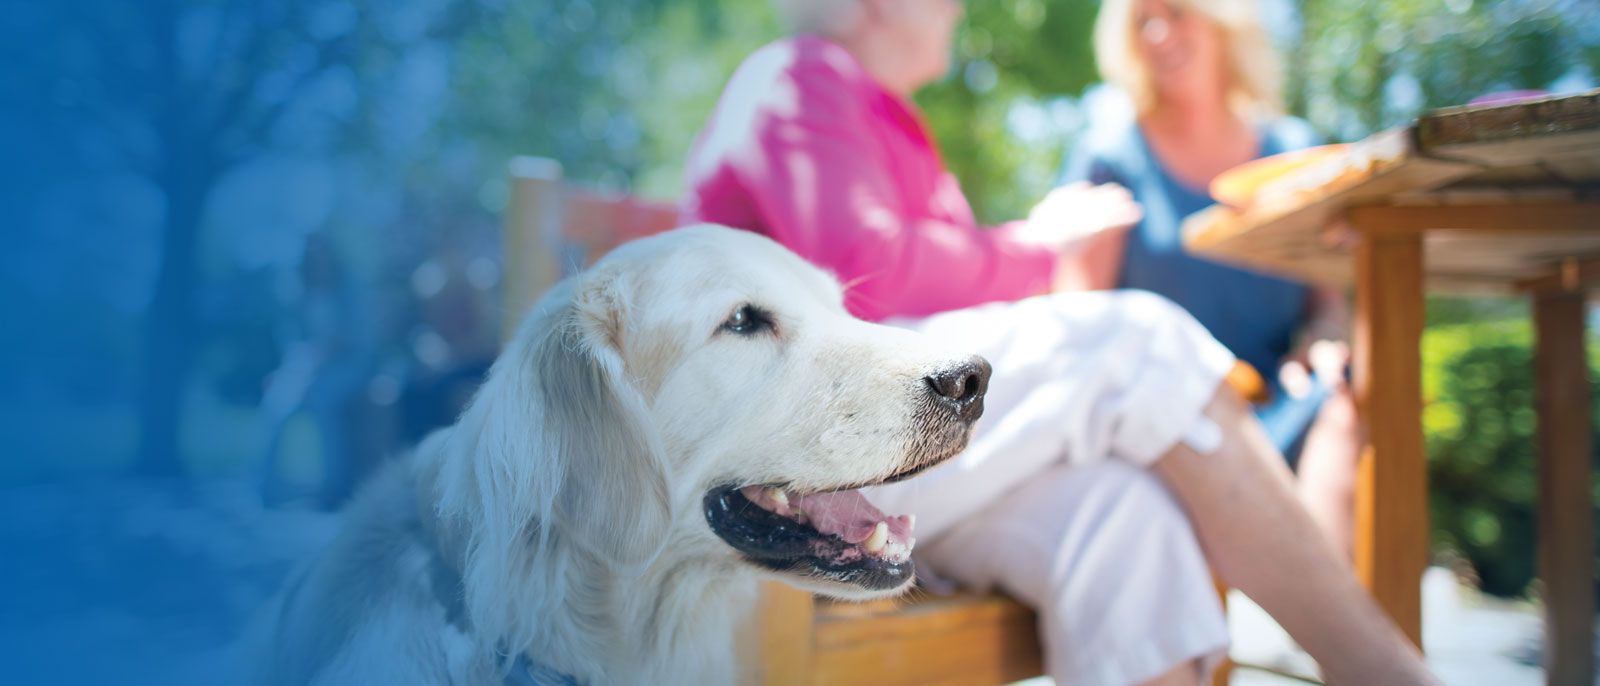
{"x": 1254, "y": 79}
{"x": 824, "y": 17}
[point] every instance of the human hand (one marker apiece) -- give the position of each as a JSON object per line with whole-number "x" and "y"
{"x": 1324, "y": 359}
{"x": 1076, "y": 211}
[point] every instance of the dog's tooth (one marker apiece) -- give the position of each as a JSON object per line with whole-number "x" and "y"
{"x": 777, "y": 495}
{"x": 879, "y": 537}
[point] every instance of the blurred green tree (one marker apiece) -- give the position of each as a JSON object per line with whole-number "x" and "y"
{"x": 1480, "y": 429}
{"x": 182, "y": 92}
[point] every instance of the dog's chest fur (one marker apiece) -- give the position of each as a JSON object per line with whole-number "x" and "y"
{"x": 376, "y": 608}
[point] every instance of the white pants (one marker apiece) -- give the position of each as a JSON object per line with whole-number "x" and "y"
{"x": 1052, "y": 501}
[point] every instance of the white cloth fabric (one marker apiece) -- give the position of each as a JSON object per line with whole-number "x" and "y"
{"x": 1037, "y": 505}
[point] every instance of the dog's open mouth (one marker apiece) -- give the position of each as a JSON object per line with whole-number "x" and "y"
{"x": 833, "y": 536}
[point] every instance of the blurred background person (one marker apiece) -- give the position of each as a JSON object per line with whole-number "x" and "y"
{"x": 1204, "y": 83}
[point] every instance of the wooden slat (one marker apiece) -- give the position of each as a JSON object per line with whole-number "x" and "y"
{"x": 1571, "y": 274}
{"x": 1566, "y": 513}
{"x": 1526, "y": 220}
{"x": 1290, "y": 239}
{"x": 1471, "y": 249}
{"x": 958, "y": 640}
{"x": 1475, "y": 169}
{"x": 842, "y": 623}
{"x": 600, "y": 221}
{"x": 1392, "y": 494}
{"x": 1527, "y": 129}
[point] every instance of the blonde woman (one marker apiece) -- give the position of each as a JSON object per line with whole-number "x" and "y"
{"x": 1111, "y": 470}
{"x": 1204, "y": 84}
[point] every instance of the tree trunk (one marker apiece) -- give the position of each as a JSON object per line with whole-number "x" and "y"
{"x": 169, "y": 327}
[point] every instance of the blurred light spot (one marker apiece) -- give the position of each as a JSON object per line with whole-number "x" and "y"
{"x": 579, "y": 16}
{"x": 383, "y": 389}
{"x": 629, "y": 72}
{"x": 981, "y": 76}
{"x": 1483, "y": 528}
{"x": 594, "y": 122}
{"x": 612, "y": 179}
{"x": 977, "y": 43}
{"x": 623, "y": 134}
{"x": 493, "y": 195}
{"x": 431, "y": 349}
{"x": 1036, "y": 122}
{"x": 1403, "y": 95}
{"x": 483, "y": 273}
{"x": 428, "y": 279}
{"x": 1029, "y": 13}
{"x": 1458, "y": 6}
{"x": 1390, "y": 38}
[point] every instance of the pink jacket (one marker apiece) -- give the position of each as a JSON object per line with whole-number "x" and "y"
{"x": 807, "y": 148}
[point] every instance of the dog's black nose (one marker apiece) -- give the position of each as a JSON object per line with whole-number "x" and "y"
{"x": 961, "y": 386}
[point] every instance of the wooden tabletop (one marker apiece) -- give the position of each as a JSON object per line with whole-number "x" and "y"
{"x": 1508, "y": 195}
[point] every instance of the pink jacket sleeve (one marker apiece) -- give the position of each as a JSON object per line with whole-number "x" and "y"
{"x": 823, "y": 190}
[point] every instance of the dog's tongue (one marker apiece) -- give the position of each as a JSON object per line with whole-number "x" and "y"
{"x": 848, "y": 515}
{"x": 845, "y": 514}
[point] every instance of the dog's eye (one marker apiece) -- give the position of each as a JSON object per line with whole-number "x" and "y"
{"x": 747, "y": 320}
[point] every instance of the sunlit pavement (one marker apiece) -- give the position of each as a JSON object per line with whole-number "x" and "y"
{"x": 1471, "y": 640}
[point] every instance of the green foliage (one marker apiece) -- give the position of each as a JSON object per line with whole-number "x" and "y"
{"x": 1361, "y": 65}
{"x": 1008, "y": 53}
{"x": 558, "y": 79}
{"x": 1480, "y": 426}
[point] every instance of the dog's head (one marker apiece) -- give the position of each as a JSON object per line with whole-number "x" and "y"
{"x": 706, "y": 388}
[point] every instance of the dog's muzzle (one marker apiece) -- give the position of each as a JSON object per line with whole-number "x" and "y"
{"x": 837, "y": 536}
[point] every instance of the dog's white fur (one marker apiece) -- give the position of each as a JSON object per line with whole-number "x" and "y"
{"x": 568, "y": 498}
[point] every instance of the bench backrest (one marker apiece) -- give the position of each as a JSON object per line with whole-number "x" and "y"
{"x": 553, "y": 230}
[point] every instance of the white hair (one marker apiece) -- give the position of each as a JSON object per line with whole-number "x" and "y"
{"x": 824, "y": 17}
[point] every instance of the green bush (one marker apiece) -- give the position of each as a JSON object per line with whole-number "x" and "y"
{"x": 1480, "y": 425}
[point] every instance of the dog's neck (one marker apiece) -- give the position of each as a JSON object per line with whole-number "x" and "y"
{"x": 677, "y": 616}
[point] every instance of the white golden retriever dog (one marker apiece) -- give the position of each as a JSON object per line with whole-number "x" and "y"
{"x": 693, "y": 412}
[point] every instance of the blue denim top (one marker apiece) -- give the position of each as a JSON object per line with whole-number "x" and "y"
{"x": 1254, "y": 315}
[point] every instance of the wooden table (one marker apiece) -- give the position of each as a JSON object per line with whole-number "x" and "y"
{"x": 1468, "y": 200}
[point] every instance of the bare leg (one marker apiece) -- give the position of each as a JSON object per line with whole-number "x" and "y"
{"x": 1261, "y": 540}
{"x": 1327, "y": 479}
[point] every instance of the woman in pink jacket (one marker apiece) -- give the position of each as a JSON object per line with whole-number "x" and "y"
{"x": 1112, "y": 470}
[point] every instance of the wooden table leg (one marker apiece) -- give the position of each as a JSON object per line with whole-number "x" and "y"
{"x": 1391, "y": 545}
{"x": 1566, "y": 513}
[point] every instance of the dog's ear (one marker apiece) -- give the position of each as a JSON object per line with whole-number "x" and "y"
{"x": 557, "y": 445}
{"x": 614, "y": 496}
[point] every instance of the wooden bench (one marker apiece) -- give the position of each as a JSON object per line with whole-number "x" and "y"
{"x": 552, "y": 230}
